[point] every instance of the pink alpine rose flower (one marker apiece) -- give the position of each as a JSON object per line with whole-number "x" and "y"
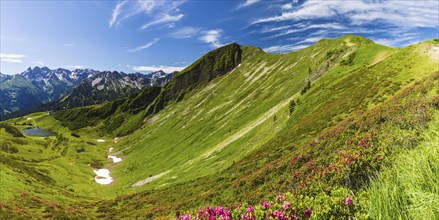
{"x": 266, "y": 205}
{"x": 307, "y": 213}
{"x": 348, "y": 201}
{"x": 286, "y": 205}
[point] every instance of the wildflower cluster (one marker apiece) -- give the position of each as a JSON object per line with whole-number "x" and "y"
{"x": 280, "y": 208}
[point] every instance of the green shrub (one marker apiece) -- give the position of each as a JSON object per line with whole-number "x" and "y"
{"x": 349, "y": 61}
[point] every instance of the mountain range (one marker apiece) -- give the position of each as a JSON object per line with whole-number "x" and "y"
{"x": 46, "y": 89}
{"x": 343, "y": 129}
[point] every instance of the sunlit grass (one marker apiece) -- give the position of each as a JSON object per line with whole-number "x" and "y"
{"x": 409, "y": 189}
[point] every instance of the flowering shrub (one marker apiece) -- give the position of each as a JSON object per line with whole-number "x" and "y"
{"x": 283, "y": 207}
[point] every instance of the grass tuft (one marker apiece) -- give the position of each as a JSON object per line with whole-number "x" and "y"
{"x": 409, "y": 189}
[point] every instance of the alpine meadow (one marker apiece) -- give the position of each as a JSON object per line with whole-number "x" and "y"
{"x": 307, "y": 110}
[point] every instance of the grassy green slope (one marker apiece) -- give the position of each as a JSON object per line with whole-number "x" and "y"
{"x": 345, "y": 90}
{"x": 414, "y": 192}
{"x": 226, "y": 120}
{"x": 231, "y": 138}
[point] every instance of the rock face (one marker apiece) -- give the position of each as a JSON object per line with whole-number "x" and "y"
{"x": 107, "y": 86}
{"x": 62, "y": 88}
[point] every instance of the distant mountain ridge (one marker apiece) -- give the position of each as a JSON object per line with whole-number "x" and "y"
{"x": 4, "y": 77}
{"x": 64, "y": 88}
{"x": 107, "y": 86}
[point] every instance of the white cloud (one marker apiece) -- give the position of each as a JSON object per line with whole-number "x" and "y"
{"x": 212, "y": 37}
{"x": 165, "y": 18}
{"x": 116, "y": 13}
{"x": 391, "y": 19}
{"x": 142, "y": 47}
{"x": 285, "y": 48}
{"x": 396, "y": 13}
{"x": 166, "y": 69}
{"x": 299, "y": 28}
{"x": 184, "y": 32}
{"x": 12, "y": 58}
{"x": 276, "y": 28}
{"x": 247, "y": 3}
{"x": 158, "y": 12}
{"x": 306, "y": 11}
{"x": 69, "y": 45}
{"x": 287, "y": 6}
{"x": 309, "y": 40}
{"x": 404, "y": 39}
{"x": 39, "y": 63}
{"x": 75, "y": 67}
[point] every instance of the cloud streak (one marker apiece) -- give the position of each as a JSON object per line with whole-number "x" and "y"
{"x": 165, "y": 18}
{"x": 153, "y": 68}
{"x": 384, "y": 21}
{"x": 397, "y": 13}
{"x": 247, "y": 3}
{"x": 304, "y": 28}
{"x": 73, "y": 67}
{"x": 142, "y": 47}
{"x": 212, "y": 37}
{"x": 38, "y": 62}
{"x": 157, "y": 12}
{"x": 285, "y": 48}
{"x": 12, "y": 58}
{"x": 184, "y": 32}
{"x": 116, "y": 13}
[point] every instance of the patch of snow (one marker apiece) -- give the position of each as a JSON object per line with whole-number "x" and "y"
{"x": 149, "y": 179}
{"x": 110, "y": 149}
{"x": 115, "y": 159}
{"x": 138, "y": 85}
{"x": 101, "y": 87}
{"x": 103, "y": 176}
{"x": 60, "y": 76}
{"x": 123, "y": 83}
{"x": 96, "y": 81}
{"x": 115, "y": 140}
{"x": 46, "y": 81}
{"x": 29, "y": 119}
{"x": 74, "y": 75}
{"x": 100, "y": 140}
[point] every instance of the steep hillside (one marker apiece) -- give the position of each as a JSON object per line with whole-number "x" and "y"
{"x": 202, "y": 71}
{"x": 210, "y": 66}
{"x": 238, "y": 126}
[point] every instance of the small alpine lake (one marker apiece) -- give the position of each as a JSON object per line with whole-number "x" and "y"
{"x": 38, "y": 132}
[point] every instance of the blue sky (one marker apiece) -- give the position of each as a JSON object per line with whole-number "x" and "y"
{"x": 143, "y": 36}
